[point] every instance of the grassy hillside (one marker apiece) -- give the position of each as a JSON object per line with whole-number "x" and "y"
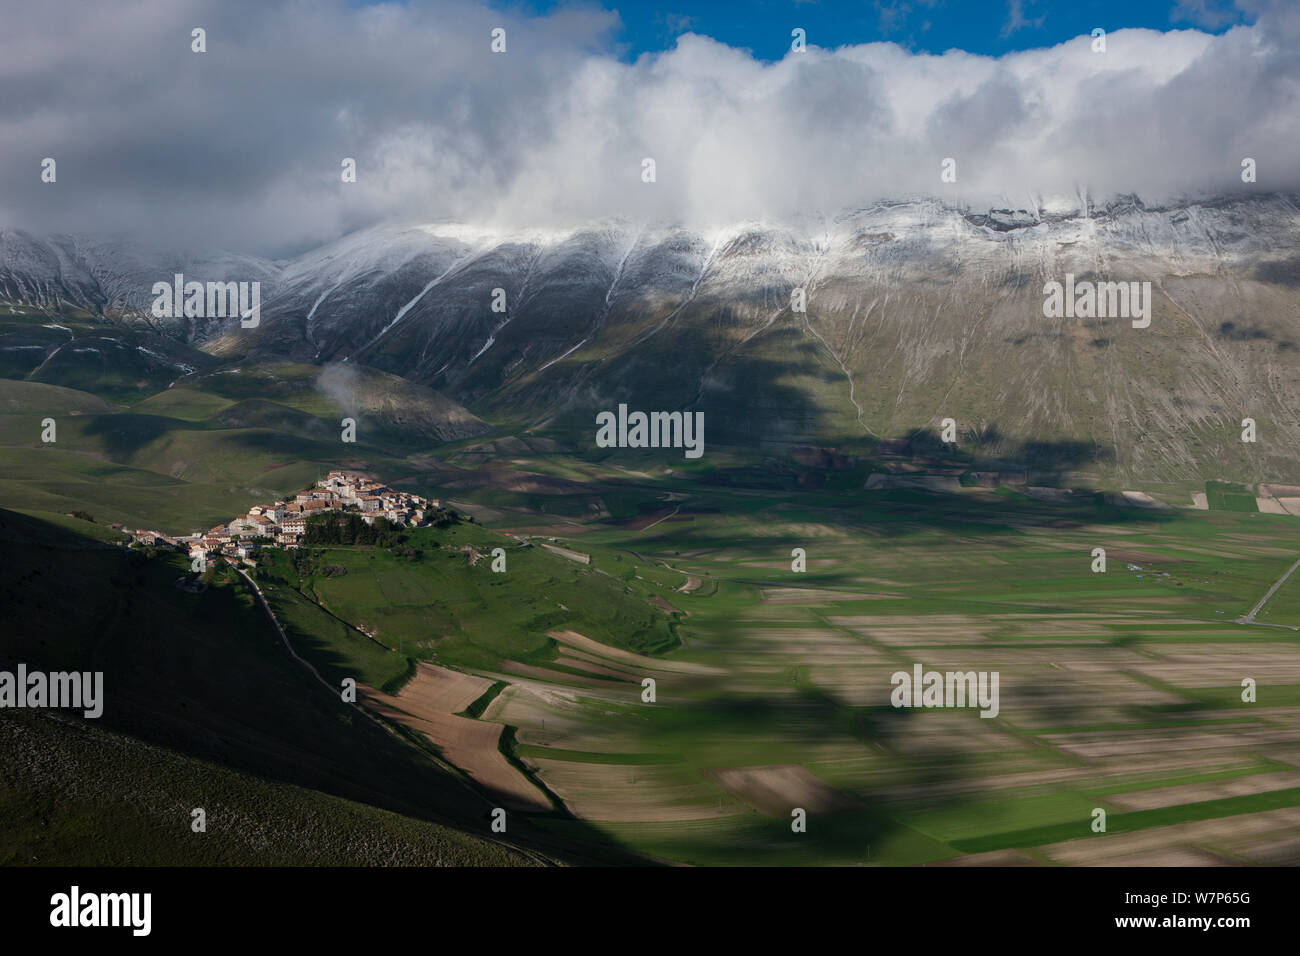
{"x": 119, "y": 361}
{"x": 72, "y": 794}
{"x": 443, "y": 607}
{"x": 203, "y": 675}
{"x": 179, "y": 461}
{"x": 199, "y": 448}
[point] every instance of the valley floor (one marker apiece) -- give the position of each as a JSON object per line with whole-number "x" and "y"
{"x": 1121, "y": 691}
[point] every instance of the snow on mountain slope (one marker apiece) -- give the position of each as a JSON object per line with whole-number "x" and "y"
{"x": 42, "y": 273}
{"x": 916, "y": 310}
{"x": 113, "y": 275}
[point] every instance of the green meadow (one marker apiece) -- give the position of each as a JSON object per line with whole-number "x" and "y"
{"x": 1145, "y": 650}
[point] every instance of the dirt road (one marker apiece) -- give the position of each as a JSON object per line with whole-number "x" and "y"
{"x": 1250, "y": 618}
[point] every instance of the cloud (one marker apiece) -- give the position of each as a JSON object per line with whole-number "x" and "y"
{"x": 241, "y": 146}
{"x": 1211, "y": 14}
{"x": 1016, "y": 19}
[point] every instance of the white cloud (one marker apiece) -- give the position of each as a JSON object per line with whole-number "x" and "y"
{"x": 241, "y": 146}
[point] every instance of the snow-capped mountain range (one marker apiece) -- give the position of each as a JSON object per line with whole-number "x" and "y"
{"x": 915, "y": 310}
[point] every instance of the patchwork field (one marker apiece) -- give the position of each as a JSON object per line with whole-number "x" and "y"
{"x": 429, "y": 704}
{"x": 1119, "y": 691}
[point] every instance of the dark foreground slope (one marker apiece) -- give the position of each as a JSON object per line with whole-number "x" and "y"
{"x": 73, "y": 794}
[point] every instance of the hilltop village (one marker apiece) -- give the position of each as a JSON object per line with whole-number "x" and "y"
{"x": 283, "y": 523}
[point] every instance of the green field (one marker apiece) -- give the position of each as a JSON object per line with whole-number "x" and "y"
{"x": 899, "y": 576}
{"x": 443, "y": 608}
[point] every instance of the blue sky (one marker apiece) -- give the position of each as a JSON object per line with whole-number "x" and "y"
{"x": 989, "y": 27}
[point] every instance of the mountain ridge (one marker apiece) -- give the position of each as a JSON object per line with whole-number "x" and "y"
{"x": 916, "y": 310}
